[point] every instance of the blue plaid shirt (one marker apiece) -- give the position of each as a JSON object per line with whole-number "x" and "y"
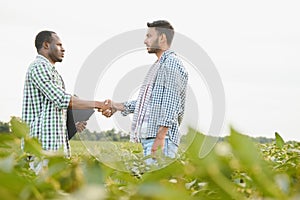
{"x": 167, "y": 99}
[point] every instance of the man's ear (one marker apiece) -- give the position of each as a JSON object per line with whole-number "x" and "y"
{"x": 163, "y": 38}
{"x": 46, "y": 45}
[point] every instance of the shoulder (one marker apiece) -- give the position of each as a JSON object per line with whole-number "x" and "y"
{"x": 39, "y": 64}
{"x": 174, "y": 63}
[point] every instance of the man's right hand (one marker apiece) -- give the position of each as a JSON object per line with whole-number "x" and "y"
{"x": 109, "y": 110}
{"x": 103, "y": 105}
{"x": 112, "y": 108}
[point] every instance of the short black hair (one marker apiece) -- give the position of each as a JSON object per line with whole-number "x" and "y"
{"x": 43, "y": 36}
{"x": 163, "y": 27}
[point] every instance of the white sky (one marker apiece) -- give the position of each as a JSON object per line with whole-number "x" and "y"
{"x": 254, "y": 45}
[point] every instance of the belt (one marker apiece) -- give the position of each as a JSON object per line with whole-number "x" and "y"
{"x": 149, "y": 138}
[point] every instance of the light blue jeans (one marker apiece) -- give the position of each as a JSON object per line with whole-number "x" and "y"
{"x": 170, "y": 149}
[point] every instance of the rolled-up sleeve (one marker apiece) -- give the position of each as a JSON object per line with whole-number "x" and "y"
{"x": 129, "y": 107}
{"x": 41, "y": 76}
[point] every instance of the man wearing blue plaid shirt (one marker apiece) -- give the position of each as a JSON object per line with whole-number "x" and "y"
{"x": 159, "y": 108}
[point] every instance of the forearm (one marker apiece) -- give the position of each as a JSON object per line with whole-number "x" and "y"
{"x": 76, "y": 103}
{"x": 159, "y": 141}
{"x": 162, "y": 132}
{"x": 118, "y": 106}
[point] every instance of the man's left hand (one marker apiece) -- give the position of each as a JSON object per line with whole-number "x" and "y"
{"x": 80, "y": 126}
{"x": 157, "y": 144}
{"x": 159, "y": 141}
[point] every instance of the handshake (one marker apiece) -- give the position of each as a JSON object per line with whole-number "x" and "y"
{"x": 108, "y": 107}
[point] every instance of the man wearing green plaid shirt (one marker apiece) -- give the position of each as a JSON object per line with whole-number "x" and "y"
{"x": 45, "y": 101}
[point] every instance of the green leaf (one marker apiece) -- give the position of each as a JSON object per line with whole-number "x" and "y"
{"x": 18, "y": 127}
{"x": 6, "y": 140}
{"x": 250, "y": 158}
{"x": 11, "y": 185}
{"x": 33, "y": 146}
{"x": 7, "y": 164}
{"x": 279, "y": 140}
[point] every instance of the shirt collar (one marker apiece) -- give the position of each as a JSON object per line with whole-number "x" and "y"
{"x": 41, "y": 57}
{"x": 165, "y": 55}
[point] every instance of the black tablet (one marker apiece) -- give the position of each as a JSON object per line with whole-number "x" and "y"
{"x": 74, "y": 116}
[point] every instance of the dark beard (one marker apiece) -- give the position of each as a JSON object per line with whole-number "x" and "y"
{"x": 59, "y": 60}
{"x": 153, "y": 50}
{"x": 55, "y": 58}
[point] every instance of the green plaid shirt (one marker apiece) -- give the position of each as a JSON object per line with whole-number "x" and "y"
{"x": 45, "y": 103}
